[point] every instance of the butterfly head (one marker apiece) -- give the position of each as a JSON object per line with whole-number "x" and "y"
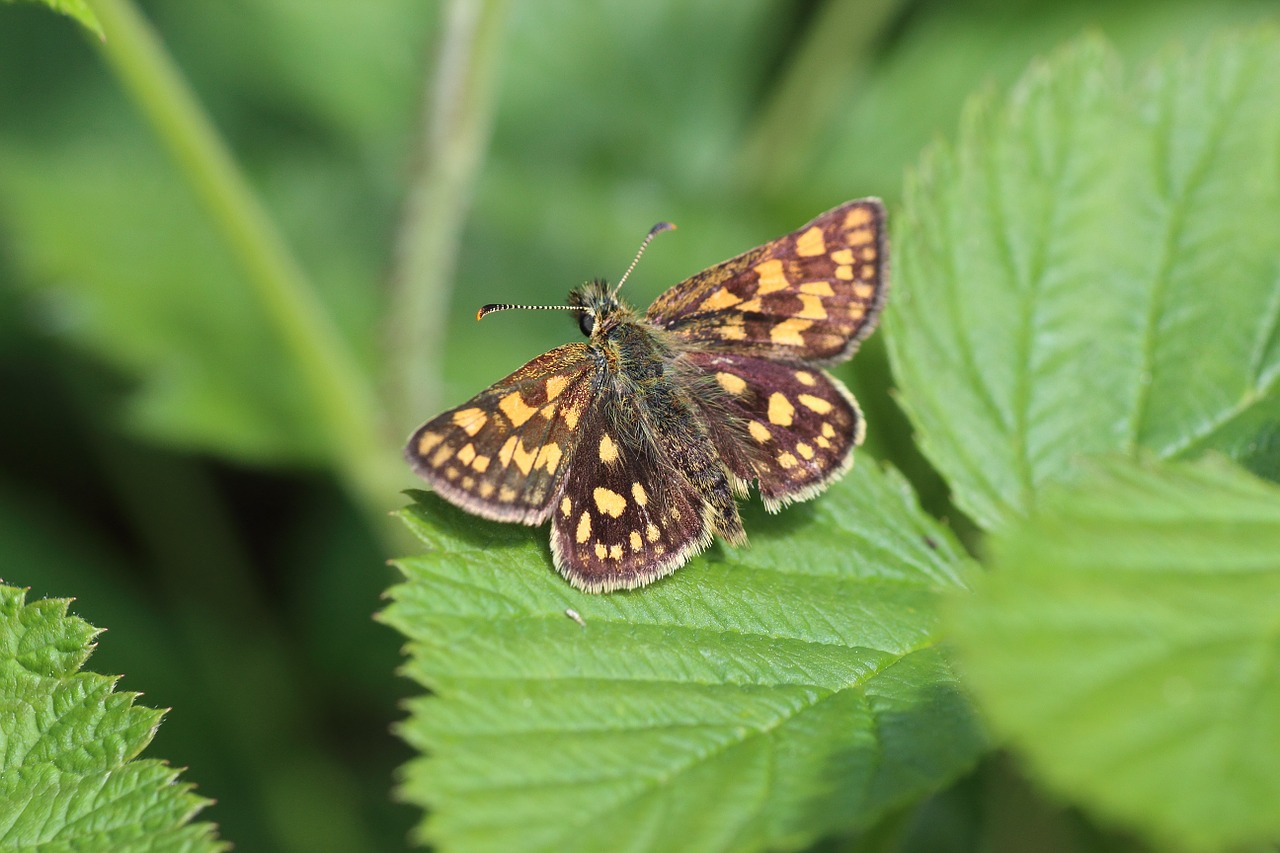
{"x": 598, "y": 308}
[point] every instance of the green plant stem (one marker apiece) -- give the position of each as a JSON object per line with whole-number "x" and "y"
{"x": 343, "y": 397}
{"x": 831, "y": 60}
{"x": 458, "y": 114}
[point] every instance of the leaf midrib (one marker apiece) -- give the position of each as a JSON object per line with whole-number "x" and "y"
{"x": 1178, "y": 202}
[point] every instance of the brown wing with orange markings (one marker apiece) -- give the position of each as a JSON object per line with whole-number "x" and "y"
{"x": 625, "y": 516}
{"x": 809, "y": 296}
{"x": 503, "y": 454}
{"x": 791, "y": 428}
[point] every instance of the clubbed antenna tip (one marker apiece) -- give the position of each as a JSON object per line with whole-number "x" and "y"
{"x": 653, "y": 232}
{"x": 486, "y": 310}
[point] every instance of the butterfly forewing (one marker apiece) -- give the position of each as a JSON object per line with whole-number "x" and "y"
{"x": 808, "y": 296}
{"x": 503, "y": 454}
{"x": 625, "y": 517}
{"x": 796, "y": 426}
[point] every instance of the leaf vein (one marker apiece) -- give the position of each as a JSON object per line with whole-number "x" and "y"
{"x": 1177, "y": 202}
{"x": 664, "y": 779}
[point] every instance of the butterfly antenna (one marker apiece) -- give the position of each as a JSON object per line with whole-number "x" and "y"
{"x": 644, "y": 244}
{"x": 486, "y": 310}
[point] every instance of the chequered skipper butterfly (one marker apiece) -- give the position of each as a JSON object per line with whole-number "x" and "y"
{"x": 635, "y": 443}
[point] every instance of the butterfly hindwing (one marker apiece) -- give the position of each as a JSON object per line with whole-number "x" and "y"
{"x": 795, "y": 428}
{"x": 503, "y": 454}
{"x": 625, "y": 516}
{"x": 808, "y": 296}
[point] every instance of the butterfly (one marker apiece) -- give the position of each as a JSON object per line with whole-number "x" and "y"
{"x": 636, "y": 443}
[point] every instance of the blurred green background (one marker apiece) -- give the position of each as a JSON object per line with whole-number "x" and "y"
{"x": 162, "y": 456}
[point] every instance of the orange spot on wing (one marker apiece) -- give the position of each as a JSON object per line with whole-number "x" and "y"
{"x": 772, "y": 277}
{"x": 609, "y": 502}
{"x": 427, "y": 441}
{"x": 788, "y": 331}
{"x": 524, "y": 458}
{"x": 720, "y": 298}
{"x": 515, "y": 408}
{"x": 816, "y": 404}
{"x": 811, "y": 307}
{"x": 811, "y": 243}
{"x": 781, "y": 412}
{"x": 859, "y": 236}
{"x": 471, "y": 421}
{"x": 857, "y": 217}
{"x": 554, "y": 386}
{"x": 732, "y": 384}
{"x": 820, "y": 288}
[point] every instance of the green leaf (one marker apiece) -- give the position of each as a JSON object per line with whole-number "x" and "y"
{"x": 136, "y": 278}
{"x": 1128, "y": 644}
{"x": 69, "y": 774}
{"x": 109, "y": 236}
{"x": 78, "y": 9}
{"x": 1093, "y": 267}
{"x": 757, "y": 699}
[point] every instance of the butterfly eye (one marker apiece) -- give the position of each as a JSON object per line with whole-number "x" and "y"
{"x": 586, "y": 322}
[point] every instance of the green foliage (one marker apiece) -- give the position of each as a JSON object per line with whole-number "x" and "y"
{"x": 1126, "y": 643}
{"x": 77, "y": 9}
{"x": 169, "y": 321}
{"x": 1091, "y": 268}
{"x": 758, "y": 699}
{"x": 70, "y": 778}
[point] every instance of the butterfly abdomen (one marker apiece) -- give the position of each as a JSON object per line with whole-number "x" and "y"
{"x": 684, "y": 438}
{"x": 651, "y": 404}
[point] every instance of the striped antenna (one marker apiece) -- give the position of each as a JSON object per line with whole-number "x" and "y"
{"x": 644, "y": 244}
{"x": 486, "y": 310}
